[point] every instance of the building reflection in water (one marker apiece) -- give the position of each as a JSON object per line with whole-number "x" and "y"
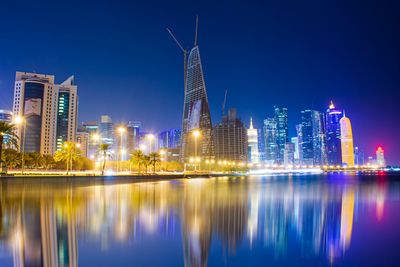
{"x": 42, "y": 225}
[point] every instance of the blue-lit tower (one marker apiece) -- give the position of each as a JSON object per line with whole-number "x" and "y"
{"x": 333, "y": 144}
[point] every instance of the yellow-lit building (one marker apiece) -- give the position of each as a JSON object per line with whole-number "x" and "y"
{"x": 346, "y": 139}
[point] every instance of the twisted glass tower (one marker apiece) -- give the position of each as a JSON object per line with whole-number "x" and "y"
{"x": 196, "y": 111}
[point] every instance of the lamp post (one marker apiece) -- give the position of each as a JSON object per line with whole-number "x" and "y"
{"x": 19, "y": 120}
{"x": 121, "y": 131}
{"x": 196, "y": 135}
{"x": 150, "y": 137}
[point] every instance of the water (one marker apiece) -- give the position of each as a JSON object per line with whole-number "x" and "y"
{"x": 327, "y": 220}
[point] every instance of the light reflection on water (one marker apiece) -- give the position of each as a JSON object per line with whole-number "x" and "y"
{"x": 192, "y": 222}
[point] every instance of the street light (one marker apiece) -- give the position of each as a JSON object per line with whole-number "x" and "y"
{"x": 150, "y": 137}
{"x": 19, "y": 120}
{"x": 196, "y": 135}
{"x": 121, "y": 130}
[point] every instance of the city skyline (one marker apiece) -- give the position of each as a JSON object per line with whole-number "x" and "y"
{"x": 365, "y": 116}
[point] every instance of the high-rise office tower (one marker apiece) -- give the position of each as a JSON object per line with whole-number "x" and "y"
{"x": 333, "y": 144}
{"x": 35, "y": 99}
{"x": 380, "y": 157}
{"x": 92, "y": 128}
{"x": 106, "y": 129}
{"x": 281, "y": 118}
{"x": 288, "y": 156}
{"x": 230, "y": 138}
{"x": 270, "y": 137}
{"x": 196, "y": 111}
{"x": 297, "y": 148}
{"x": 299, "y": 134}
{"x": 313, "y": 138}
{"x": 252, "y": 137}
{"x": 358, "y": 156}
{"x": 83, "y": 139}
{"x": 133, "y": 135}
{"x": 346, "y": 137}
{"x": 261, "y": 144}
{"x": 169, "y": 138}
{"x": 67, "y": 109}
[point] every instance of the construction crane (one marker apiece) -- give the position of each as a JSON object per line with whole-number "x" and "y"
{"x": 224, "y": 103}
{"x": 185, "y": 52}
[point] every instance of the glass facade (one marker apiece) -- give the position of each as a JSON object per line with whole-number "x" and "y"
{"x": 281, "y": 118}
{"x": 333, "y": 145}
{"x": 62, "y": 118}
{"x": 33, "y": 107}
{"x": 270, "y": 137}
{"x": 196, "y": 111}
{"x": 313, "y": 138}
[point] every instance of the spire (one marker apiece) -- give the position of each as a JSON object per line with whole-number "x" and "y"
{"x": 197, "y": 26}
{"x": 344, "y": 113}
{"x": 251, "y": 123}
{"x": 331, "y": 105}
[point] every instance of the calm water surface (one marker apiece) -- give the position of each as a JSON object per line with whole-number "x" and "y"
{"x": 328, "y": 220}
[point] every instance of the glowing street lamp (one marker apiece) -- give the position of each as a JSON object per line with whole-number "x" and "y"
{"x": 20, "y": 121}
{"x": 150, "y": 137}
{"x": 196, "y": 135}
{"x": 121, "y": 130}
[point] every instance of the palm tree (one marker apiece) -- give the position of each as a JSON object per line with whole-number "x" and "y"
{"x": 154, "y": 160}
{"x": 48, "y": 161}
{"x": 68, "y": 153}
{"x": 146, "y": 162}
{"x": 11, "y": 158}
{"x": 103, "y": 150}
{"x": 8, "y": 136}
{"x": 137, "y": 158}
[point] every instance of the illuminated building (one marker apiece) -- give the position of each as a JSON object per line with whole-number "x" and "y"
{"x": 67, "y": 109}
{"x": 358, "y": 156}
{"x": 133, "y": 135}
{"x": 169, "y": 138}
{"x": 299, "y": 134}
{"x": 313, "y": 138}
{"x": 281, "y": 118}
{"x": 270, "y": 137}
{"x": 380, "y": 157}
{"x": 230, "y": 138}
{"x": 196, "y": 111}
{"x": 333, "y": 144}
{"x": 35, "y": 99}
{"x": 92, "y": 128}
{"x": 252, "y": 138}
{"x": 288, "y": 157}
{"x": 106, "y": 129}
{"x": 346, "y": 137}
{"x": 261, "y": 145}
{"x": 83, "y": 138}
{"x": 297, "y": 148}
{"x": 5, "y": 115}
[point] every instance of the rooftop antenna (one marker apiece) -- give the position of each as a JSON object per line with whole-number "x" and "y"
{"x": 197, "y": 26}
{"x": 184, "y": 55}
{"x": 224, "y": 103}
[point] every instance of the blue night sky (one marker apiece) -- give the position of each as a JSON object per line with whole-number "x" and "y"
{"x": 265, "y": 53}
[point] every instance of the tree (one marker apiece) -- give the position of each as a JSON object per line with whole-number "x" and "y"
{"x": 68, "y": 153}
{"x": 34, "y": 160}
{"x": 7, "y": 136}
{"x": 146, "y": 162}
{"x": 11, "y": 158}
{"x": 103, "y": 150}
{"x": 48, "y": 161}
{"x": 154, "y": 160}
{"x": 137, "y": 158}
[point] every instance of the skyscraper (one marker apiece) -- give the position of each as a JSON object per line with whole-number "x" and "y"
{"x": 380, "y": 157}
{"x": 346, "y": 137}
{"x": 313, "y": 138}
{"x": 92, "y": 128}
{"x": 196, "y": 111}
{"x": 297, "y": 148}
{"x": 333, "y": 144}
{"x": 261, "y": 144}
{"x": 169, "y": 138}
{"x": 83, "y": 138}
{"x": 6, "y": 115}
{"x": 281, "y": 118}
{"x": 358, "y": 156}
{"x": 67, "y": 109}
{"x": 106, "y": 129}
{"x": 252, "y": 137}
{"x": 230, "y": 138}
{"x": 133, "y": 136}
{"x": 35, "y": 99}
{"x": 299, "y": 133}
{"x": 270, "y": 137}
